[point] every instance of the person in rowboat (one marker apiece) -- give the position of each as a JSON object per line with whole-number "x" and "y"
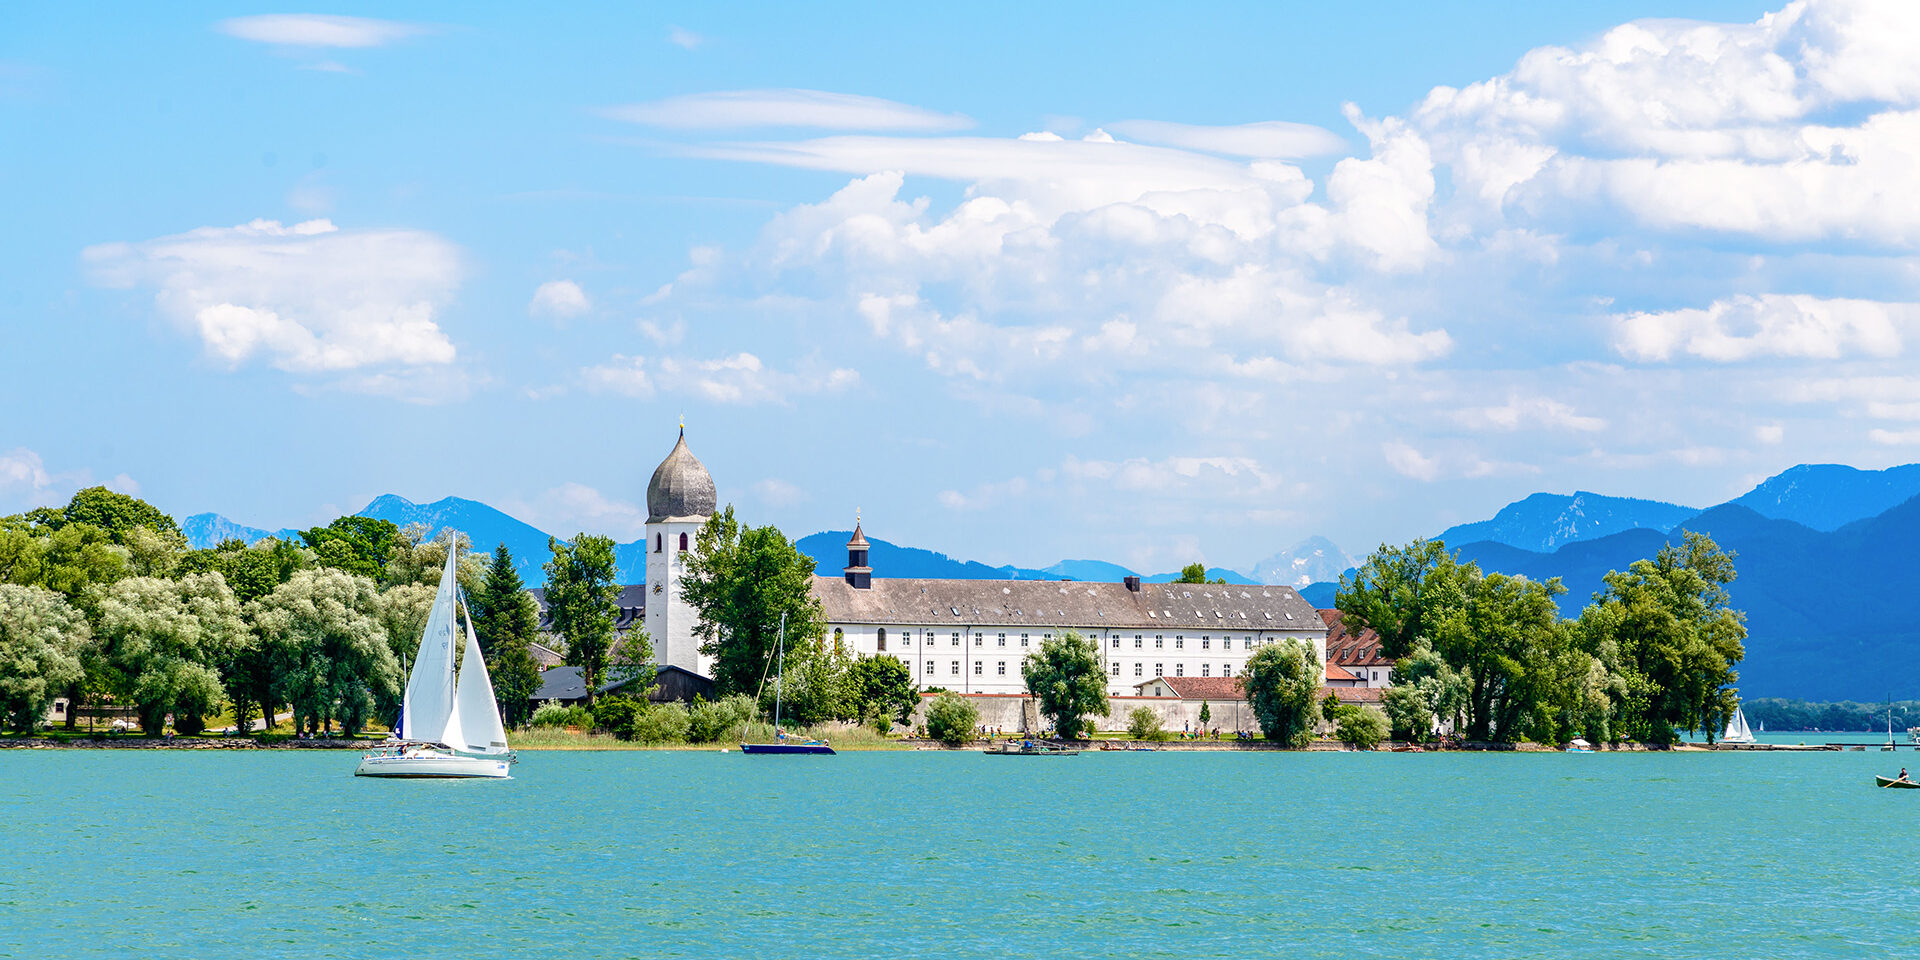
{"x": 1903, "y": 776}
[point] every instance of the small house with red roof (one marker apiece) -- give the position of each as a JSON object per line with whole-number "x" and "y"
{"x": 1354, "y": 659}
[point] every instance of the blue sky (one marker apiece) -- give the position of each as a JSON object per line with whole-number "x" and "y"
{"x": 1143, "y": 283}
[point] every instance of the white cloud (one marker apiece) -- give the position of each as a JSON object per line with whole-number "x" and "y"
{"x": 572, "y": 508}
{"x": 1770, "y": 433}
{"x": 1519, "y": 412}
{"x": 775, "y": 492}
{"x": 739, "y": 109}
{"x": 319, "y": 30}
{"x": 559, "y": 299}
{"x": 308, "y": 298}
{"x": 684, "y": 39}
{"x": 1894, "y": 438}
{"x": 1770, "y": 325}
{"x": 1269, "y": 138}
{"x": 26, "y": 482}
{"x": 1408, "y": 462}
{"x": 740, "y": 379}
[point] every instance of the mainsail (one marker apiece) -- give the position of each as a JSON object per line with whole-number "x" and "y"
{"x": 426, "y": 712}
{"x": 474, "y": 711}
{"x": 1737, "y": 731}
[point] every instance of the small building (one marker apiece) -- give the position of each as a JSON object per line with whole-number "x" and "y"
{"x": 1356, "y": 654}
{"x": 565, "y": 686}
{"x": 1224, "y": 698}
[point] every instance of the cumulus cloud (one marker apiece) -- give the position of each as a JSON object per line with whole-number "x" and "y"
{"x": 307, "y": 298}
{"x": 319, "y": 30}
{"x": 740, "y": 379}
{"x": 559, "y": 299}
{"x": 26, "y": 482}
{"x": 740, "y": 109}
{"x": 1770, "y": 325}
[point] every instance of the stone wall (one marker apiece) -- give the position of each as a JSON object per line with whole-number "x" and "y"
{"x": 1010, "y": 713}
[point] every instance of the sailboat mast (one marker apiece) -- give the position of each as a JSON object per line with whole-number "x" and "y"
{"x": 780, "y": 682}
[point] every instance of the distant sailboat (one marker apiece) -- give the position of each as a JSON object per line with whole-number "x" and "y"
{"x": 444, "y": 719}
{"x": 782, "y": 743}
{"x": 1737, "y": 731}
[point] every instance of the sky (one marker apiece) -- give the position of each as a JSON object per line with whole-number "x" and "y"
{"x": 1142, "y": 283}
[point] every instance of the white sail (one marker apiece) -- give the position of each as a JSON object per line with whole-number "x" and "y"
{"x": 426, "y": 712}
{"x": 475, "y": 711}
{"x": 1737, "y": 731}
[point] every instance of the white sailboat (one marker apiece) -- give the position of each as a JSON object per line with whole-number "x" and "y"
{"x": 449, "y": 725}
{"x": 1737, "y": 731}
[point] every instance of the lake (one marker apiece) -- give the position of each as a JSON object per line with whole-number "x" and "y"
{"x": 681, "y": 854}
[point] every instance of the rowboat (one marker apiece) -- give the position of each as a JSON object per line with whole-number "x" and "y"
{"x": 1029, "y": 748}
{"x": 1897, "y": 783}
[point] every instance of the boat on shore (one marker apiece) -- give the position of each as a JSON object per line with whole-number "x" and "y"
{"x": 783, "y": 744}
{"x": 1030, "y": 748}
{"x": 449, "y": 723}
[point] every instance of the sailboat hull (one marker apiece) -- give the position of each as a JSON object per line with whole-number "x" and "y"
{"x": 434, "y": 766}
{"x": 815, "y": 749}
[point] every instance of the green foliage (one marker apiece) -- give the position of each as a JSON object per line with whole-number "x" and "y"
{"x": 583, "y": 603}
{"x": 506, "y": 620}
{"x": 657, "y": 723}
{"x": 724, "y": 719}
{"x": 412, "y": 558}
{"x": 952, "y": 719}
{"x": 1408, "y": 713}
{"x": 1362, "y": 728}
{"x": 742, "y": 580}
{"x": 1065, "y": 676}
{"x": 325, "y": 648}
{"x": 358, "y": 545}
{"x": 817, "y": 687}
{"x": 615, "y": 714}
{"x": 553, "y": 714}
{"x": 1206, "y": 713}
{"x": 1500, "y": 632}
{"x": 42, "y": 640}
{"x": 1400, "y": 593}
{"x": 1196, "y": 573}
{"x": 1281, "y": 679}
{"x": 250, "y": 571}
{"x": 1781, "y": 714}
{"x": 1675, "y": 639}
{"x": 164, "y": 642}
{"x": 117, "y": 514}
{"x": 67, "y": 558}
{"x": 1143, "y": 723}
{"x": 883, "y": 689}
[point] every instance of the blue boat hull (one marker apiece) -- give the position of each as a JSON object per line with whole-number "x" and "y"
{"x": 809, "y": 748}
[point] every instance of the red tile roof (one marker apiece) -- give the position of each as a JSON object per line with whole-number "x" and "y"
{"x": 1201, "y": 688}
{"x": 1357, "y": 694}
{"x": 1352, "y": 650}
{"x": 1338, "y": 672}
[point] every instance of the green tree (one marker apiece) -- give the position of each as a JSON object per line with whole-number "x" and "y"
{"x": 1401, "y": 593}
{"x": 66, "y": 559}
{"x": 1677, "y": 640}
{"x": 164, "y": 642}
{"x": 1206, "y": 714}
{"x": 327, "y": 652}
{"x": 952, "y": 719}
{"x": 583, "y": 603}
{"x": 742, "y": 580}
{"x": 507, "y": 620}
{"x": 1361, "y": 728}
{"x": 816, "y": 687}
{"x": 41, "y": 642}
{"x": 1143, "y": 723}
{"x": 883, "y": 686}
{"x": 412, "y": 558}
{"x": 1066, "y": 677}
{"x": 251, "y": 571}
{"x": 1408, "y": 714}
{"x": 117, "y": 514}
{"x": 1196, "y": 573}
{"x": 1499, "y": 632}
{"x": 1280, "y": 680}
{"x": 358, "y": 545}
{"x": 723, "y": 719}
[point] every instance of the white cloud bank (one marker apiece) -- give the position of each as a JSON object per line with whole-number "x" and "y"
{"x": 1771, "y": 325}
{"x": 740, "y": 379}
{"x": 319, "y": 30}
{"x": 307, "y": 298}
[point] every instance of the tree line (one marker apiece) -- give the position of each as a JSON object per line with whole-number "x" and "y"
{"x": 103, "y": 602}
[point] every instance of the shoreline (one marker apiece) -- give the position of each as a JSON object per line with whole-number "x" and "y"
{"x": 910, "y": 744}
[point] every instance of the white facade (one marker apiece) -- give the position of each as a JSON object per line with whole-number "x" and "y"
{"x": 670, "y": 618}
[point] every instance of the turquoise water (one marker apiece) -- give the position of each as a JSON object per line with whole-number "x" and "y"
{"x": 628, "y": 854}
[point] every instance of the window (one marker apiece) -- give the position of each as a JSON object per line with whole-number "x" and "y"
{"x": 906, "y": 638}
{"x": 978, "y": 668}
{"x": 1116, "y": 643}
{"x": 929, "y": 668}
{"x": 1002, "y": 640}
{"x": 1116, "y": 669}
{"x": 837, "y": 634}
{"x": 1136, "y": 668}
{"x": 659, "y": 542}
{"x": 880, "y": 638}
{"x": 956, "y": 668}
{"x": 1001, "y": 670}
{"x": 1206, "y": 642}
{"x": 956, "y": 639}
{"x": 1179, "y": 643}
{"x": 1159, "y": 641}
{"x": 1179, "y": 669}
{"x": 1226, "y": 669}
{"x": 1157, "y": 671}
{"x": 1137, "y": 641}
{"x": 1023, "y": 639}
{"x": 683, "y": 543}
{"x": 979, "y": 638}
{"x": 1203, "y": 670}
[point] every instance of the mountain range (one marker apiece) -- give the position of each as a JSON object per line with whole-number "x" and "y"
{"x": 1819, "y": 553}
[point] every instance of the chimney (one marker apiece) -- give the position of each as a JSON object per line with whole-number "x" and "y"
{"x": 1133, "y": 584}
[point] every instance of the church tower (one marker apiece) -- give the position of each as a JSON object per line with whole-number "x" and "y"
{"x": 680, "y": 498}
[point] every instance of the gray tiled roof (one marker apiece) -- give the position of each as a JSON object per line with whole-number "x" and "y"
{"x": 632, "y": 603}
{"x": 1068, "y": 603}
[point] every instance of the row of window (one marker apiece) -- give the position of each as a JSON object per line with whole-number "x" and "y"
{"x": 1159, "y": 669}
{"x": 1000, "y": 640}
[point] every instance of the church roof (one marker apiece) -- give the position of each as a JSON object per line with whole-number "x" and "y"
{"x": 681, "y": 486}
{"x": 859, "y": 541}
{"x": 1056, "y": 604}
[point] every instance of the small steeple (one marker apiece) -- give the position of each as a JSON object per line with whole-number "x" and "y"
{"x": 859, "y": 575}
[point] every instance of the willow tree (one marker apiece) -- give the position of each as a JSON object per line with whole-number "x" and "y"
{"x": 1066, "y": 677}
{"x": 164, "y": 642}
{"x": 1281, "y": 680}
{"x": 41, "y": 642}
{"x": 321, "y": 633}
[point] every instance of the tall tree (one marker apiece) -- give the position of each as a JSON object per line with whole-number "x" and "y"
{"x": 583, "y": 603}
{"x": 1498, "y": 632}
{"x": 116, "y": 513}
{"x": 1196, "y": 573}
{"x": 1676, "y": 636}
{"x": 251, "y": 571}
{"x": 1065, "y": 676}
{"x": 884, "y": 687}
{"x": 741, "y": 580}
{"x": 1281, "y": 680}
{"x": 41, "y": 640}
{"x": 327, "y": 651}
{"x": 507, "y": 620}
{"x": 358, "y": 545}
{"x": 1400, "y": 593}
{"x": 67, "y": 558}
{"x": 163, "y": 643}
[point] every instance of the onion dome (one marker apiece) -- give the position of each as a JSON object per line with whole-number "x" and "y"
{"x": 681, "y": 486}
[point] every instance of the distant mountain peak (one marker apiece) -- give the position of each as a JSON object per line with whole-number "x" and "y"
{"x": 1828, "y": 496}
{"x": 1543, "y": 522}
